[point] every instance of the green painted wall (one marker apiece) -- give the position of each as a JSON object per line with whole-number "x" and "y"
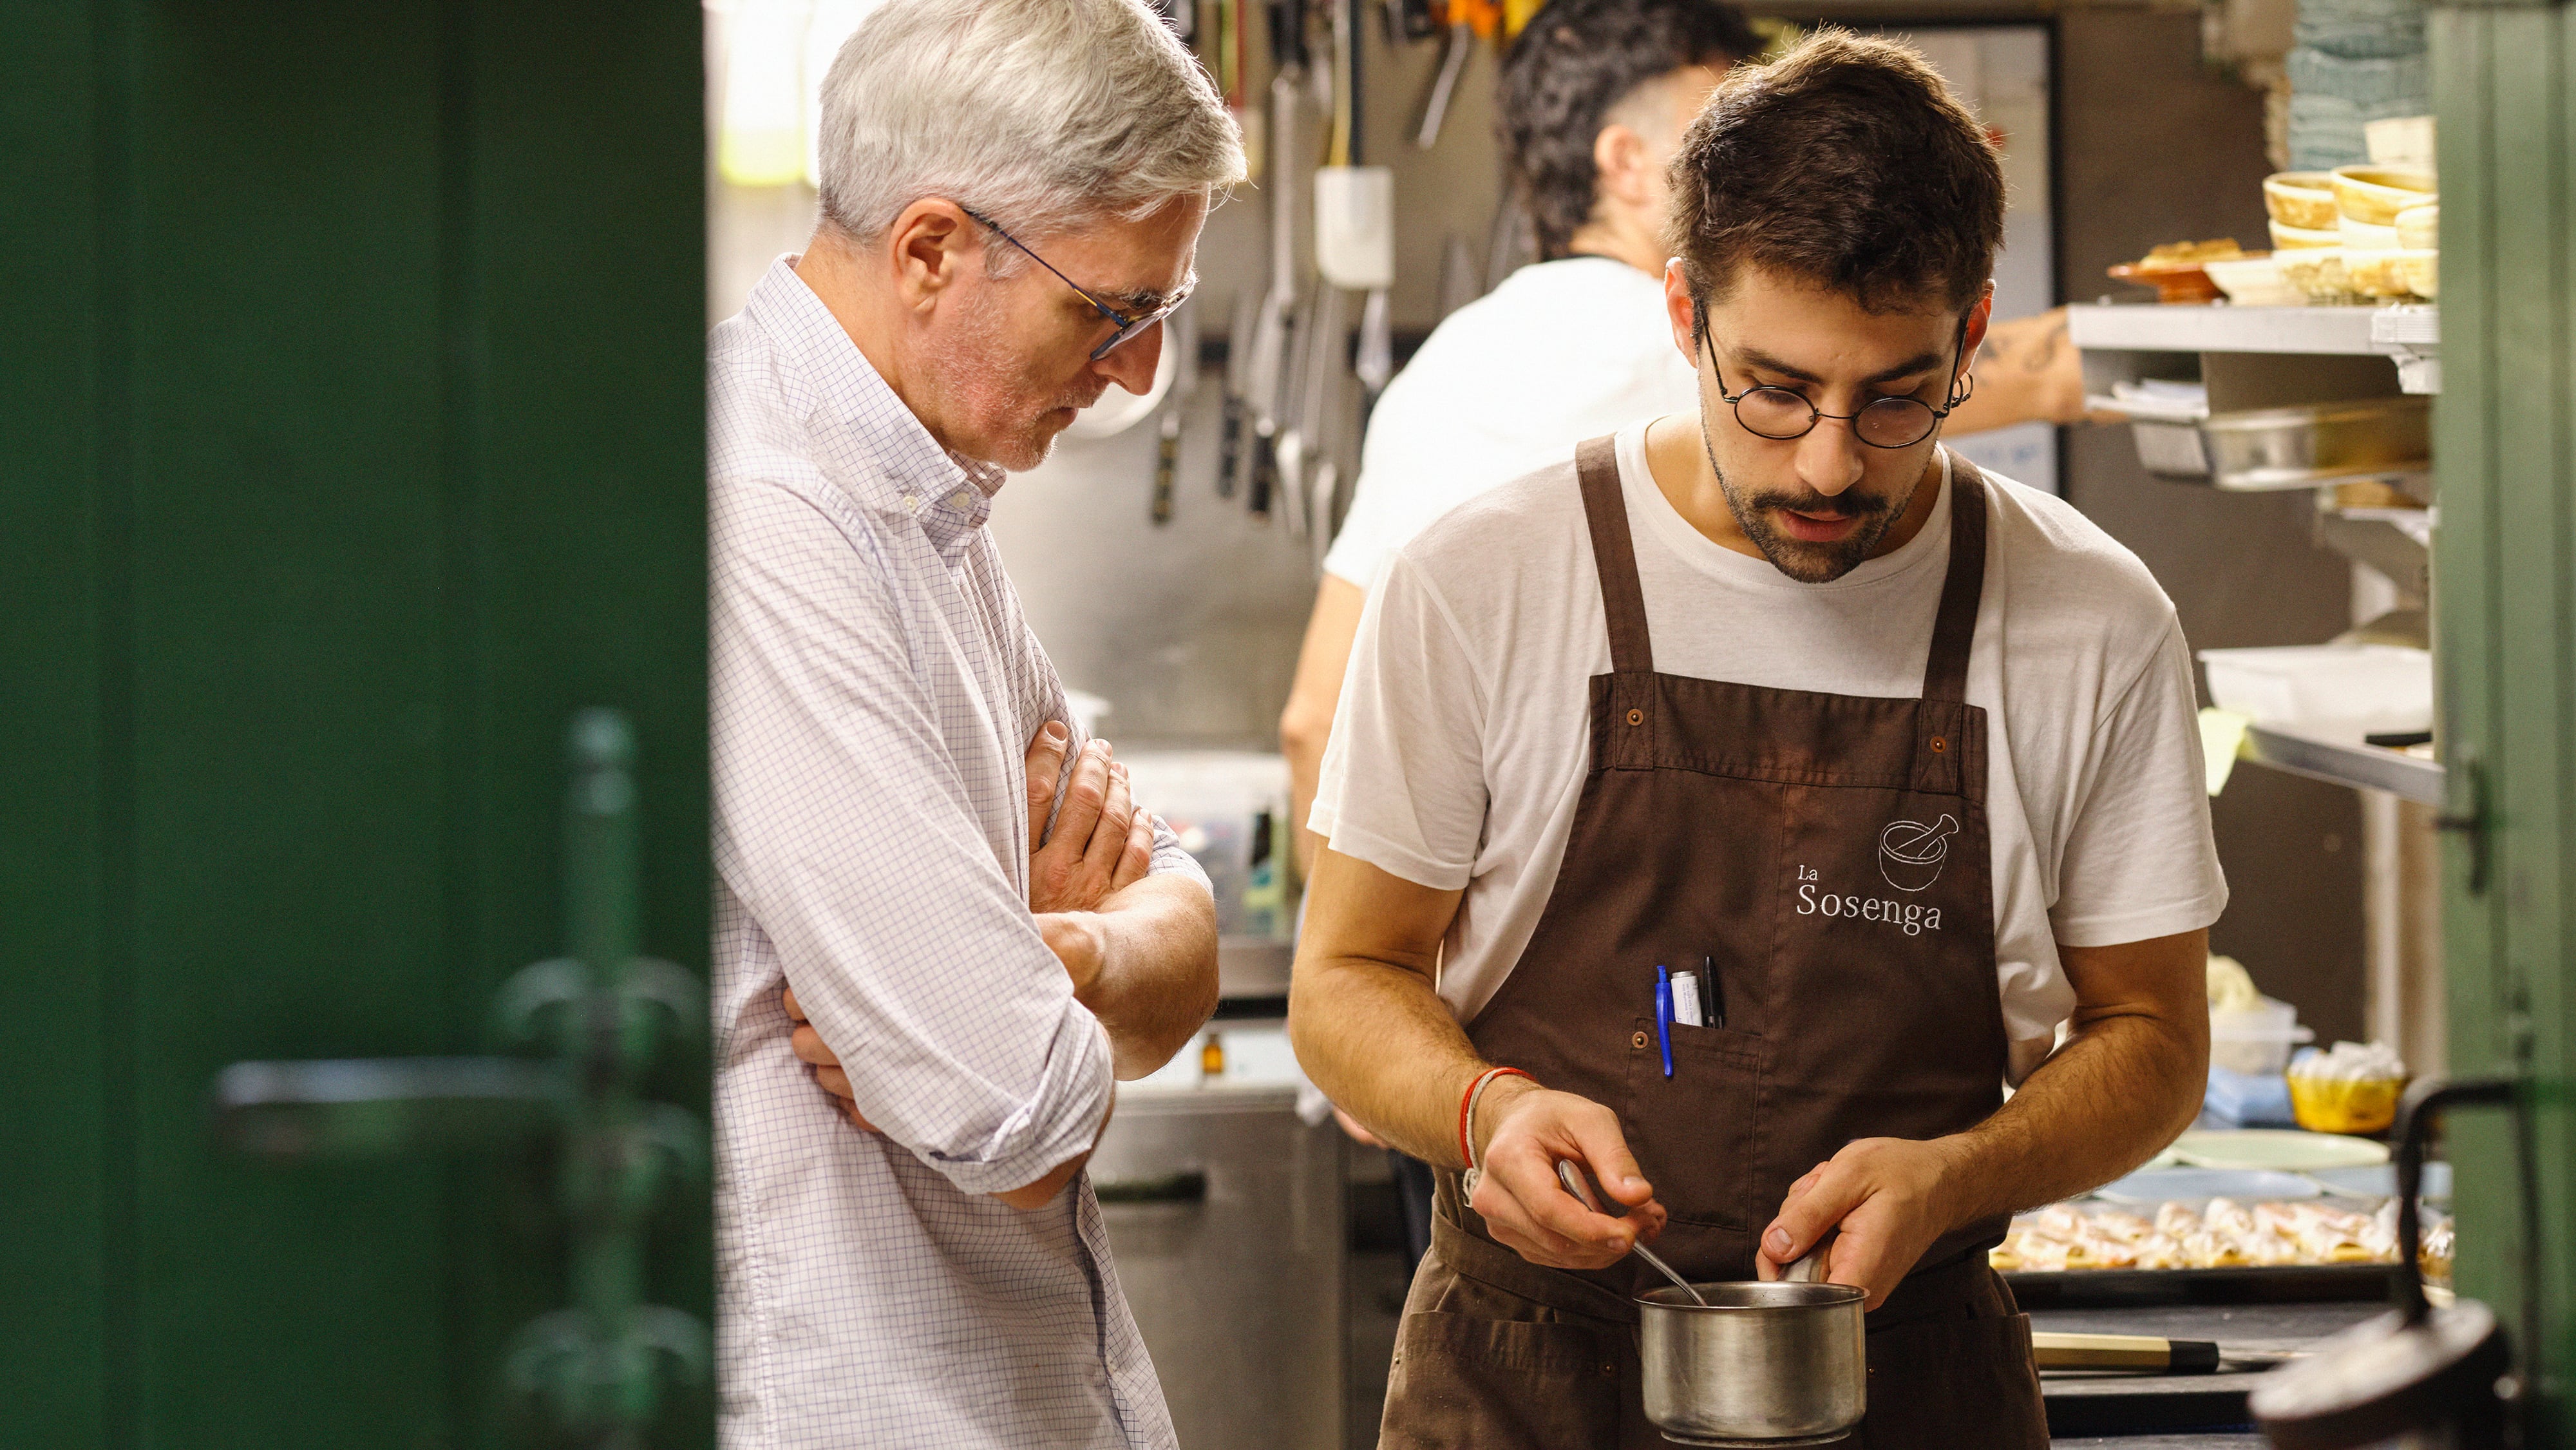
{"x": 2506, "y": 615}
{"x": 351, "y": 438}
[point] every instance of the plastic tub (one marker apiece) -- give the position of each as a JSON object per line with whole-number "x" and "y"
{"x": 2355, "y": 688}
{"x": 2257, "y": 1040}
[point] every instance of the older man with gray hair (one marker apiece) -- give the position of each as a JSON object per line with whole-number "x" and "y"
{"x": 935, "y": 899}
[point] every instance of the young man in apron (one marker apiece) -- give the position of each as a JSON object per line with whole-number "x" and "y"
{"x": 1897, "y": 760}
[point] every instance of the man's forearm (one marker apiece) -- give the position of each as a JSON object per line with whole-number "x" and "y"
{"x": 1157, "y": 981}
{"x": 2119, "y": 1090}
{"x": 1383, "y": 1046}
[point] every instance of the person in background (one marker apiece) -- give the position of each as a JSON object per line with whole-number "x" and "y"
{"x": 1731, "y": 811}
{"x": 1594, "y": 97}
{"x": 909, "y": 1254}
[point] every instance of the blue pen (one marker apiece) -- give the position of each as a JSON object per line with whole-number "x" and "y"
{"x": 1664, "y": 1015}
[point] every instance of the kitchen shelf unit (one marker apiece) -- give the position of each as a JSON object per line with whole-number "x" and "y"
{"x": 2262, "y": 356}
{"x": 2408, "y": 335}
{"x": 2345, "y": 762}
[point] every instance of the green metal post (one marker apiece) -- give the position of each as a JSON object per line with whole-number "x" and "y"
{"x": 2505, "y": 444}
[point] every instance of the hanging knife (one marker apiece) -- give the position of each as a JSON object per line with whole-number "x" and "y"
{"x": 1238, "y": 368}
{"x": 1181, "y": 334}
{"x": 1444, "y": 85}
{"x": 1270, "y": 358}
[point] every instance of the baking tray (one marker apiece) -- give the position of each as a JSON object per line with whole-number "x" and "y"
{"x": 2249, "y": 1284}
{"x": 2300, "y": 447}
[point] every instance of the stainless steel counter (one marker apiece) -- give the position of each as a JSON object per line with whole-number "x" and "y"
{"x": 2194, "y": 1410}
{"x": 1225, "y": 1214}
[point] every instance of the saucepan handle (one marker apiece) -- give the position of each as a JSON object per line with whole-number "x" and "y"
{"x": 1810, "y": 1266}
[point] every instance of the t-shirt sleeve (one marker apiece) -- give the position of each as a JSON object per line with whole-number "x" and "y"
{"x": 1403, "y": 784}
{"x": 2140, "y": 861}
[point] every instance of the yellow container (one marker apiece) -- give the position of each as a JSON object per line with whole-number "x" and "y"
{"x": 2344, "y": 1105}
{"x": 2303, "y": 199}
{"x": 2376, "y": 194}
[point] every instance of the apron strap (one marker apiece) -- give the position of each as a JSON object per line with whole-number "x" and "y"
{"x": 1945, "y": 673}
{"x": 1614, "y": 555}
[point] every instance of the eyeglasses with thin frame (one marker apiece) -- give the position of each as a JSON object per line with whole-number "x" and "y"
{"x": 1781, "y": 415}
{"x": 1128, "y": 327}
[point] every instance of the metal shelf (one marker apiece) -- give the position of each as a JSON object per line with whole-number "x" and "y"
{"x": 2408, "y": 334}
{"x": 2345, "y": 762}
{"x": 2153, "y": 327}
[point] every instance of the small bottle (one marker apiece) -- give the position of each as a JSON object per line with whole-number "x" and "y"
{"x": 1212, "y": 1057}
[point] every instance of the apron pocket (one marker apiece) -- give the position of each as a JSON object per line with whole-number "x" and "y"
{"x": 1500, "y": 1384}
{"x": 1960, "y": 1382}
{"x": 1696, "y": 1133}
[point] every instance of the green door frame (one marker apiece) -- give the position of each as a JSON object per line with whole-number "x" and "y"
{"x": 351, "y": 441}
{"x": 2505, "y": 586}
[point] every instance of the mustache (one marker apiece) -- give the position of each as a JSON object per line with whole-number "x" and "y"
{"x": 1810, "y": 502}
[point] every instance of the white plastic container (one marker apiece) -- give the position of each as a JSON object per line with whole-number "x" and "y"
{"x": 1355, "y": 226}
{"x": 2356, "y": 689}
{"x": 2257, "y": 1040}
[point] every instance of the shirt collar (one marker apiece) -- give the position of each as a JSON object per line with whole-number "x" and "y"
{"x": 878, "y": 452}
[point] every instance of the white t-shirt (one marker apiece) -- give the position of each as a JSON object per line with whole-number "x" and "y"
{"x": 1560, "y": 352}
{"x": 1462, "y": 741}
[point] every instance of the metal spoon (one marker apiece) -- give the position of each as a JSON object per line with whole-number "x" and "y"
{"x": 1572, "y": 1178}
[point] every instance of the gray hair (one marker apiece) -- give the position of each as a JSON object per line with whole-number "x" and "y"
{"x": 1041, "y": 114}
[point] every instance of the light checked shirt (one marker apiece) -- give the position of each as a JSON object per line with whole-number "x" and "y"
{"x": 875, "y": 688}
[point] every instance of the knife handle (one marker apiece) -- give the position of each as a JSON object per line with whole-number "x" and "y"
{"x": 2124, "y": 1351}
{"x": 1230, "y": 448}
{"x": 1167, "y": 457}
{"x": 1265, "y": 472}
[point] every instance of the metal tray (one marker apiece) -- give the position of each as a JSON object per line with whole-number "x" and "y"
{"x": 2250, "y": 1284}
{"x": 2303, "y": 447}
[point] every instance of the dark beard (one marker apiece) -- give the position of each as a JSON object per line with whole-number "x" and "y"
{"x": 1805, "y": 562}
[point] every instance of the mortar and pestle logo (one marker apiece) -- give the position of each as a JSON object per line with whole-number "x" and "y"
{"x": 1910, "y": 853}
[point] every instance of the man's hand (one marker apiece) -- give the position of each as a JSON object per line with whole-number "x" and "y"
{"x": 1528, "y": 1209}
{"x": 1101, "y": 843}
{"x": 809, "y": 1047}
{"x": 1888, "y": 1195}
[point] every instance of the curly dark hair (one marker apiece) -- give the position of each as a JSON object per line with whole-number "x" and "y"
{"x": 1846, "y": 162}
{"x": 1576, "y": 61}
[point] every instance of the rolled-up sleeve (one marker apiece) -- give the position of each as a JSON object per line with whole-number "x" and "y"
{"x": 846, "y": 828}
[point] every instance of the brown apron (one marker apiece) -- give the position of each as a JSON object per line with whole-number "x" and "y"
{"x": 1822, "y": 862}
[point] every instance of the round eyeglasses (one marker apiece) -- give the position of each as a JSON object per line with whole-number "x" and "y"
{"x": 1781, "y": 415}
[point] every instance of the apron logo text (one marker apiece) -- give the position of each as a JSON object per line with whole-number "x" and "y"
{"x": 1910, "y": 917}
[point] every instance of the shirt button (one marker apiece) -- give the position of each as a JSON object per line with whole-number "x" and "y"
{"x": 912, "y": 502}
{"x": 1638, "y": 1042}
{"x": 961, "y": 500}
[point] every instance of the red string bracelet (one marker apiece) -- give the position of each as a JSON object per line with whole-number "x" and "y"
{"x": 1467, "y": 1106}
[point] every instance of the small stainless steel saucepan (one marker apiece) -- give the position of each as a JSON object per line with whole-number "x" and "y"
{"x": 1772, "y": 1364}
{"x": 1751, "y": 1364}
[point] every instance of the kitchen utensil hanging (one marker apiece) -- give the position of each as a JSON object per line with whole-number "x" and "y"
{"x": 1265, "y": 378}
{"x": 1238, "y": 372}
{"x": 1181, "y": 347}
